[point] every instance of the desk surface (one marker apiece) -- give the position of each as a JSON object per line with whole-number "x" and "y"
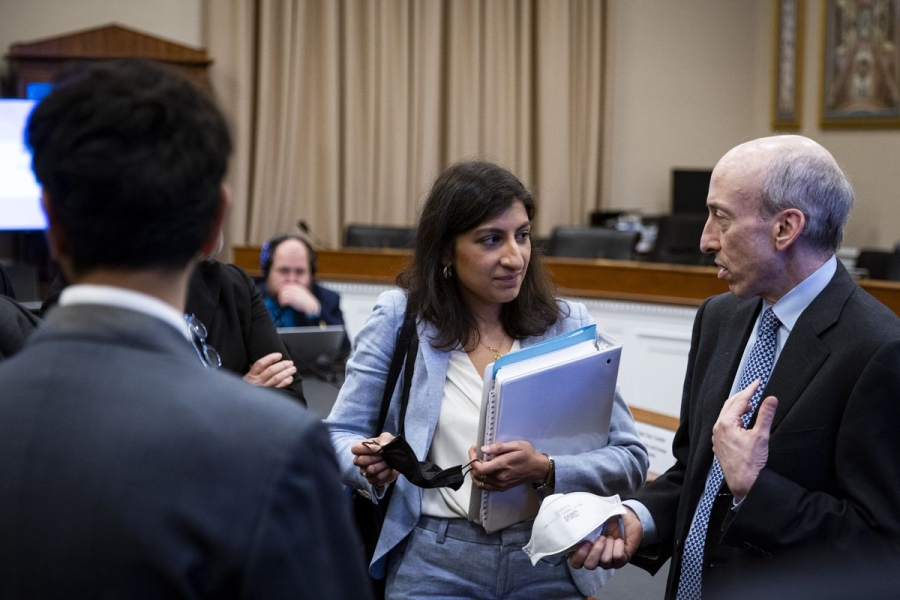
{"x": 597, "y": 278}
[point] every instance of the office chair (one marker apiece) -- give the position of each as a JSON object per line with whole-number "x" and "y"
{"x": 678, "y": 240}
{"x": 378, "y": 236}
{"x": 892, "y": 271}
{"x": 593, "y": 242}
{"x": 875, "y": 262}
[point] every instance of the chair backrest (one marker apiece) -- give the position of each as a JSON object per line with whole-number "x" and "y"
{"x": 892, "y": 270}
{"x": 378, "y": 236}
{"x": 593, "y": 242}
{"x": 678, "y": 240}
{"x": 874, "y": 261}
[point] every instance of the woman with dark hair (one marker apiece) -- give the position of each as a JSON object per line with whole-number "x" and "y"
{"x": 477, "y": 291}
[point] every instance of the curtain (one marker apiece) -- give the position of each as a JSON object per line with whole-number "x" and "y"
{"x": 344, "y": 111}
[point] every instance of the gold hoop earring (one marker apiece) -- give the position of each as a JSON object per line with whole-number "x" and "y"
{"x": 448, "y": 272}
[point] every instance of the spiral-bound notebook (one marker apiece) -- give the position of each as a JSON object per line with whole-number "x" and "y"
{"x": 558, "y": 395}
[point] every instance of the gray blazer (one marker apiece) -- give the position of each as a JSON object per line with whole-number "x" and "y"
{"x": 130, "y": 471}
{"x": 618, "y": 468}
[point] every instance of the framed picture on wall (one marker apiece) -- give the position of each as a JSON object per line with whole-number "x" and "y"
{"x": 860, "y": 64}
{"x": 787, "y": 57}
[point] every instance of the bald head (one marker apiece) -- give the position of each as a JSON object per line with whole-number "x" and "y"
{"x": 792, "y": 171}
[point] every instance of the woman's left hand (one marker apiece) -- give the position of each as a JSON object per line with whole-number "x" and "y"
{"x": 511, "y": 464}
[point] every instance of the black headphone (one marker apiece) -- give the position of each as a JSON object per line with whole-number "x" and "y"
{"x": 268, "y": 251}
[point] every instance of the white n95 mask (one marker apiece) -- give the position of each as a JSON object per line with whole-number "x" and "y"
{"x": 565, "y": 520}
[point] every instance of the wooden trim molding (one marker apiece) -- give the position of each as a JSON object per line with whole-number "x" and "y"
{"x": 40, "y": 60}
{"x": 654, "y": 418}
{"x": 609, "y": 279}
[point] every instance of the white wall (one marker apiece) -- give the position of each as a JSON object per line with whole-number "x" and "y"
{"x": 689, "y": 79}
{"x": 680, "y": 92}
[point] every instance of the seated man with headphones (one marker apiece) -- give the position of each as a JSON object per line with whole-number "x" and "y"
{"x": 290, "y": 290}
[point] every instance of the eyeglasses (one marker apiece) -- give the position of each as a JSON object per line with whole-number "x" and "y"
{"x": 208, "y": 355}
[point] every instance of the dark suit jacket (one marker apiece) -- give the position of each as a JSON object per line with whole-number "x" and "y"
{"x": 16, "y": 324}
{"x": 6, "y": 286}
{"x": 227, "y": 302}
{"x": 833, "y": 472}
{"x": 130, "y": 471}
{"x": 237, "y": 321}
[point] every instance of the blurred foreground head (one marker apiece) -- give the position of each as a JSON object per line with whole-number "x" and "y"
{"x": 131, "y": 157}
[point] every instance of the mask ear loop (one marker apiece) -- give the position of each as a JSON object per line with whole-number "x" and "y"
{"x": 369, "y": 443}
{"x": 468, "y": 467}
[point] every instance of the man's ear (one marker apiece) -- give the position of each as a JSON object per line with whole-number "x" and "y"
{"x": 788, "y": 226}
{"x": 57, "y": 240}
{"x": 211, "y": 243}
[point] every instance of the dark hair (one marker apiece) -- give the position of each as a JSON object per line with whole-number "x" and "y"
{"x": 267, "y": 253}
{"x": 464, "y": 196}
{"x": 132, "y": 157}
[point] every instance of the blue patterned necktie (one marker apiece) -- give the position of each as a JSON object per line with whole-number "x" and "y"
{"x": 759, "y": 366}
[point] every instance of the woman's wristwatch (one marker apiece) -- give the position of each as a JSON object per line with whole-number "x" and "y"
{"x": 548, "y": 480}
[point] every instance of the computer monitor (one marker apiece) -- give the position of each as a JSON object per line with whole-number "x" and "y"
{"x": 689, "y": 190}
{"x": 20, "y": 194}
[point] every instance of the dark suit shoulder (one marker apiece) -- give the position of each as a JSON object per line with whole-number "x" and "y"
{"x": 16, "y": 324}
{"x": 237, "y": 276}
{"x": 874, "y": 316}
{"x": 324, "y": 294}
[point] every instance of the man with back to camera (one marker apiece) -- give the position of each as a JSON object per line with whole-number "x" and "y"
{"x": 129, "y": 470}
{"x": 817, "y": 468}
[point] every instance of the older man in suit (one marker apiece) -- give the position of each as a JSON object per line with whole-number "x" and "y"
{"x": 129, "y": 470}
{"x": 811, "y": 461}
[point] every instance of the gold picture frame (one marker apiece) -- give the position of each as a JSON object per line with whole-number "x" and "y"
{"x": 860, "y": 64}
{"x": 787, "y": 58}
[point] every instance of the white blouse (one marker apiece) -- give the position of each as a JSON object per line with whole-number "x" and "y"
{"x": 455, "y": 433}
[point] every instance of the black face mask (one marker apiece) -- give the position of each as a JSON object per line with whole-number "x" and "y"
{"x": 424, "y": 474}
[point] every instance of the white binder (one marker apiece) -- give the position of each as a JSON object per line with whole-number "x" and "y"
{"x": 558, "y": 395}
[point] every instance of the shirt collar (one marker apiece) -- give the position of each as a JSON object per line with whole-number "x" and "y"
{"x": 790, "y": 306}
{"x": 107, "y": 295}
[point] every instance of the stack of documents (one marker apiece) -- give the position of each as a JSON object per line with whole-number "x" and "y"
{"x": 558, "y": 395}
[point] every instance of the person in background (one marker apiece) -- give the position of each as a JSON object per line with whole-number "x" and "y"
{"x": 292, "y": 294}
{"x": 129, "y": 470}
{"x": 16, "y": 321}
{"x": 477, "y": 292}
{"x": 787, "y": 447}
{"x": 16, "y": 324}
{"x": 225, "y": 299}
{"x": 6, "y": 285}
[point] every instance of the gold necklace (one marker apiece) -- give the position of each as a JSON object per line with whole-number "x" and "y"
{"x": 495, "y": 351}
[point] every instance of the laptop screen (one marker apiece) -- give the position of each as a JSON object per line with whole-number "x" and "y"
{"x": 311, "y": 346}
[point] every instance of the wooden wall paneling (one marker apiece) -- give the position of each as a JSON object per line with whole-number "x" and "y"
{"x": 610, "y": 279}
{"x": 39, "y": 61}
